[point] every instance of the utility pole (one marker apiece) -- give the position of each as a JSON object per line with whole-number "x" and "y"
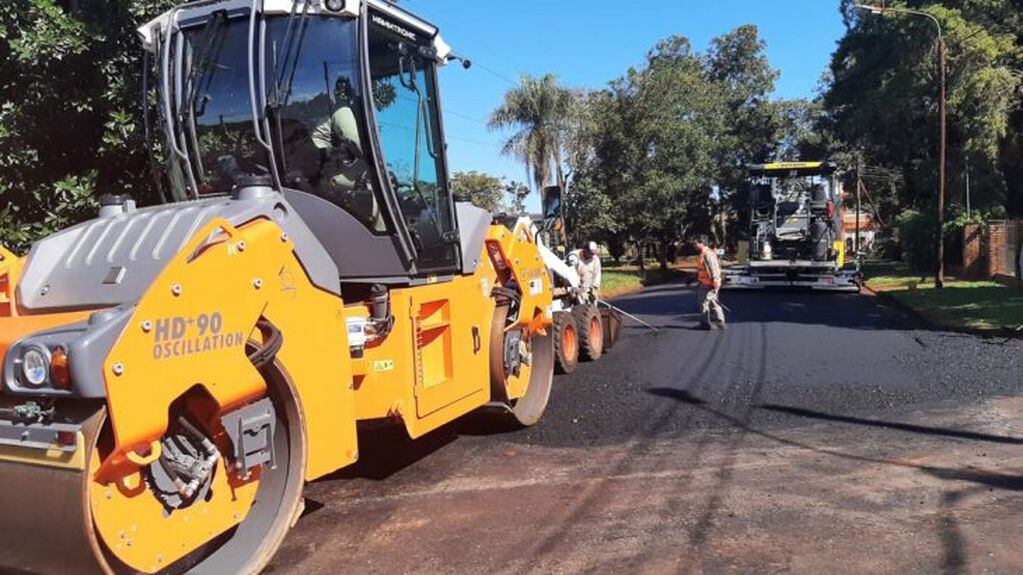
{"x": 969, "y": 212}
{"x": 939, "y": 272}
{"x": 859, "y": 187}
{"x": 939, "y": 248}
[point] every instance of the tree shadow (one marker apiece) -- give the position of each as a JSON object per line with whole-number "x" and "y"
{"x": 909, "y": 427}
{"x": 955, "y": 557}
{"x": 967, "y": 474}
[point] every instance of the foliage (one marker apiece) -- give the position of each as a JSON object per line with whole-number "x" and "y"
{"x": 916, "y": 234}
{"x": 881, "y": 97}
{"x": 655, "y": 142}
{"x": 540, "y": 111}
{"x": 69, "y": 201}
{"x": 483, "y": 190}
{"x": 490, "y": 192}
{"x": 70, "y": 122}
{"x": 516, "y": 194}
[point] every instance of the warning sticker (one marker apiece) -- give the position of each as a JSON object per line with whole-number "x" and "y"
{"x": 383, "y": 365}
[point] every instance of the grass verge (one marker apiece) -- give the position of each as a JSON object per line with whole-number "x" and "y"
{"x": 979, "y": 306}
{"x": 620, "y": 280}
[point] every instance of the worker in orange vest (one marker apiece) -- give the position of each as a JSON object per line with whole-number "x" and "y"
{"x": 708, "y": 274}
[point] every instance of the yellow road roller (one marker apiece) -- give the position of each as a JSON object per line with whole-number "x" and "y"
{"x": 173, "y": 375}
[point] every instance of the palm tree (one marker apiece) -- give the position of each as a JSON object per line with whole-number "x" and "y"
{"x": 540, "y": 110}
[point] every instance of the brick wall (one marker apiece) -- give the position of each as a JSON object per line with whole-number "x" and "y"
{"x": 996, "y": 234}
{"x": 974, "y": 252}
{"x": 992, "y": 251}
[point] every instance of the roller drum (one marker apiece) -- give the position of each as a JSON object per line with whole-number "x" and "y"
{"x": 45, "y": 519}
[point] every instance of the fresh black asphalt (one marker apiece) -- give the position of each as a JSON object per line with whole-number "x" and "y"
{"x": 787, "y": 358}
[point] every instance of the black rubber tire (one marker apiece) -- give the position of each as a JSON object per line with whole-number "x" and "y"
{"x": 591, "y": 339}
{"x": 566, "y": 342}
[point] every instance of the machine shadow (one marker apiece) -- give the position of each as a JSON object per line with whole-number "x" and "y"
{"x": 385, "y": 448}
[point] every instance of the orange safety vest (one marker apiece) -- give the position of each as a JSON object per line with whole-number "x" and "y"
{"x": 702, "y": 273}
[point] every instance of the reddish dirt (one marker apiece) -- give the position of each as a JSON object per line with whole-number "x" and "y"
{"x": 919, "y": 495}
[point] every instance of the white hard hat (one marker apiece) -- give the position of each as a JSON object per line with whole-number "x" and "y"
{"x": 592, "y": 246}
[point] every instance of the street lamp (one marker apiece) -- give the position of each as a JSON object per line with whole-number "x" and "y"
{"x": 939, "y": 273}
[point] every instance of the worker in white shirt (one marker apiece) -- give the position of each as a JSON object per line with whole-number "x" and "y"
{"x": 589, "y": 269}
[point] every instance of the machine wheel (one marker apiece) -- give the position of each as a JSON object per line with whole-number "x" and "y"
{"x": 247, "y": 547}
{"x": 566, "y": 342}
{"x": 587, "y": 319}
{"x": 527, "y": 410}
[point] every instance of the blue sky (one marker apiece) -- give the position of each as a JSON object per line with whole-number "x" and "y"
{"x": 588, "y": 43}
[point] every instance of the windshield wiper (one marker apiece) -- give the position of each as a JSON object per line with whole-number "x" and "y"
{"x": 200, "y": 77}
{"x": 284, "y": 75}
{"x": 285, "y": 65}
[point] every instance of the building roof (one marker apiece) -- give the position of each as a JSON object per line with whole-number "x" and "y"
{"x": 866, "y": 222}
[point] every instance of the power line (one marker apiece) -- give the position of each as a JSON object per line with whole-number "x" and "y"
{"x": 479, "y": 142}
{"x": 496, "y": 74}
{"x": 449, "y": 137}
{"x": 464, "y": 116}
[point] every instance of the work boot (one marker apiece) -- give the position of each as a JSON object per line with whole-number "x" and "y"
{"x": 720, "y": 326}
{"x": 705, "y": 326}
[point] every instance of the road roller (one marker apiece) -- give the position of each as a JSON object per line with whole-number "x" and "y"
{"x": 174, "y": 374}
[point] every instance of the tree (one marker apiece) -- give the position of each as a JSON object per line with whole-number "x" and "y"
{"x": 483, "y": 190}
{"x": 881, "y": 98}
{"x": 652, "y": 136}
{"x": 657, "y": 141}
{"x": 516, "y": 194}
{"x": 69, "y": 110}
{"x": 539, "y": 110}
{"x": 754, "y": 129}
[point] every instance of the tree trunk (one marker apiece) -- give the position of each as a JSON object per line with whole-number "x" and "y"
{"x": 616, "y": 247}
{"x": 558, "y": 170}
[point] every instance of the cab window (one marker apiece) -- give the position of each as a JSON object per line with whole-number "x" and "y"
{"x": 315, "y": 115}
{"x": 405, "y": 99}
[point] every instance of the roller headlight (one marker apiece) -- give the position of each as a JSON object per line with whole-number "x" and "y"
{"x": 35, "y": 366}
{"x": 335, "y": 5}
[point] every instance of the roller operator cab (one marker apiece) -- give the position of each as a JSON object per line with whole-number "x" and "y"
{"x": 795, "y": 231}
{"x": 173, "y": 375}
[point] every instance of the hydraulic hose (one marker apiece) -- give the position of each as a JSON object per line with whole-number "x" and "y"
{"x": 274, "y": 340}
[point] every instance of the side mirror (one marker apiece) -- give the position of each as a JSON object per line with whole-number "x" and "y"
{"x": 552, "y": 202}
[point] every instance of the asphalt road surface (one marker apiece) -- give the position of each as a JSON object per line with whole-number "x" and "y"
{"x": 820, "y": 433}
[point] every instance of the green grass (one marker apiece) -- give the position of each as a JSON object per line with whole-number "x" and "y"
{"x": 963, "y": 304}
{"x": 618, "y": 280}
